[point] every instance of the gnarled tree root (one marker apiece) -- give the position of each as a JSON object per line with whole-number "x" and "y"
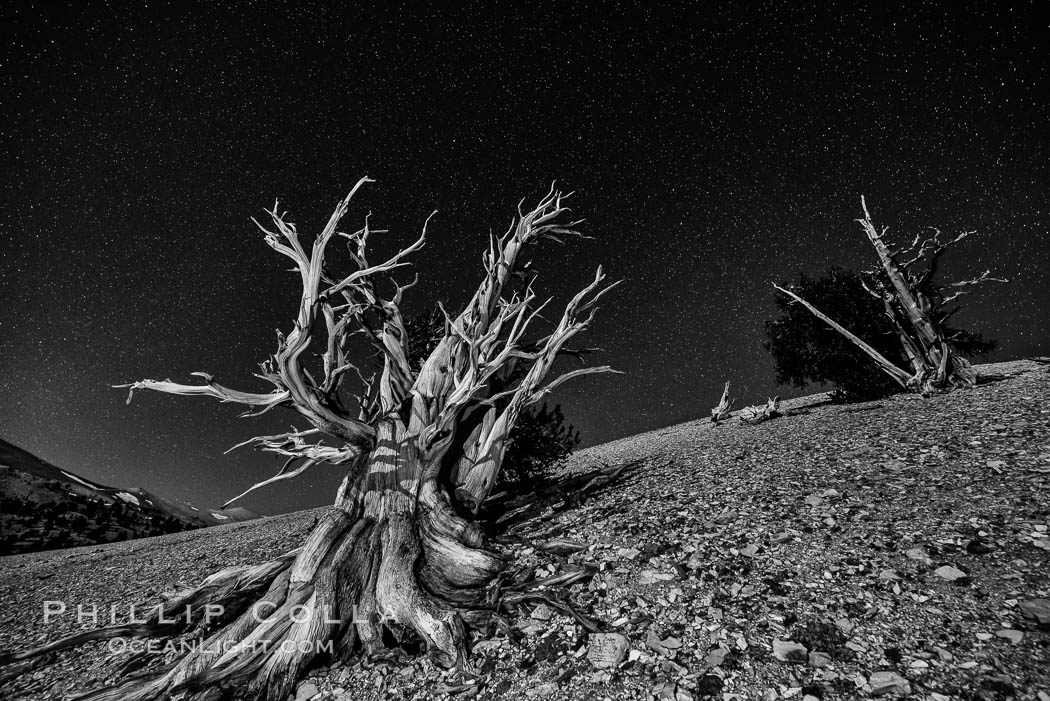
{"x": 254, "y": 630}
{"x": 251, "y": 631}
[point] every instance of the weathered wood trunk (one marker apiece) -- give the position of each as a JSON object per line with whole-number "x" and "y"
{"x": 391, "y": 555}
{"x": 395, "y": 555}
{"x": 916, "y": 307}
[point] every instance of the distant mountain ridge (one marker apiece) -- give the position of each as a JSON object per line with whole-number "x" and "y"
{"x": 43, "y": 507}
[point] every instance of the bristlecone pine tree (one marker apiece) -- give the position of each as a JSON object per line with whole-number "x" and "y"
{"x": 917, "y": 307}
{"x": 402, "y": 553}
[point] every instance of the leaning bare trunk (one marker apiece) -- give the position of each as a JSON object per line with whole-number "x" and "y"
{"x": 915, "y": 306}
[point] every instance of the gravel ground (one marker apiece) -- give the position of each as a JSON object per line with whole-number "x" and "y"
{"x": 895, "y": 548}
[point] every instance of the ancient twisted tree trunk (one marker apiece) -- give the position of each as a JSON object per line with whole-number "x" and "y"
{"x": 401, "y": 556}
{"x": 917, "y": 307}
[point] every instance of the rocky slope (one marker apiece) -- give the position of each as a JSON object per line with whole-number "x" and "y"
{"x": 897, "y": 547}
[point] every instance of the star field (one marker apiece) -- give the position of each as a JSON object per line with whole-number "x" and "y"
{"x": 711, "y": 152}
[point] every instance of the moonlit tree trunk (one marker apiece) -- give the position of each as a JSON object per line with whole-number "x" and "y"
{"x": 722, "y": 410}
{"x": 917, "y": 308}
{"x": 756, "y": 414}
{"x": 421, "y": 451}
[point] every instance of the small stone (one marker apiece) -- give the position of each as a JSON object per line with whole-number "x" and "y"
{"x": 917, "y": 554}
{"x": 949, "y": 573}
{"x": 307, "y": 690}
{"x": 671, "y": 643}
{"x": 787, "y": 651}
{"x": 716, "y": 656}
{"x": 1014, "y": 636}
{"x": 542, "y": 613}
{"x": 726, "y": 518}
{"x": 1039, "y": 609}
{"x": 888, "y": 683}
{"x": 819, "y": 660}
{"x": 652, "y": 577}
{"x": 483, "y": 646}
{"x": 540, "y": 691}
{"x": 607, "y": 650}
{"x": 749, "y": 550}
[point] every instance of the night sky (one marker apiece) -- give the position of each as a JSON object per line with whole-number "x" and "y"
{"x": 712, "y": 152}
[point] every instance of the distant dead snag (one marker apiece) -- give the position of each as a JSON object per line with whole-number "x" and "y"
{"x": 724, "y": 408}
{"x": 757, "y": 414}
{"x": 917, "y": 307}
{"x": 403, "y": 556}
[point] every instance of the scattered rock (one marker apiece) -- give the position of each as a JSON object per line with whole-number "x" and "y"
{"x": 949, "y": 573}
{"x": 540, "y": 691}
{"x": 307, "y": 690}
{"x": 918, "y": 554}
{"x": 1014, "y": 636}
{"x": 819, "y": 660}
{"x": 888, "y": 683}
{"x": 671, "y": 643}
{"x": 1038, "y": 609}
{"x": 787, "y": 651}
{"x": 607, "y": 650}
{"x": 652, "y": 577}
{"x": 749, "y": 550}
{"x": 716, "y": 656}
{"x": 542, "y": 613}
{"x": 628, "y": 553}
{"x": 671, "y": 691}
